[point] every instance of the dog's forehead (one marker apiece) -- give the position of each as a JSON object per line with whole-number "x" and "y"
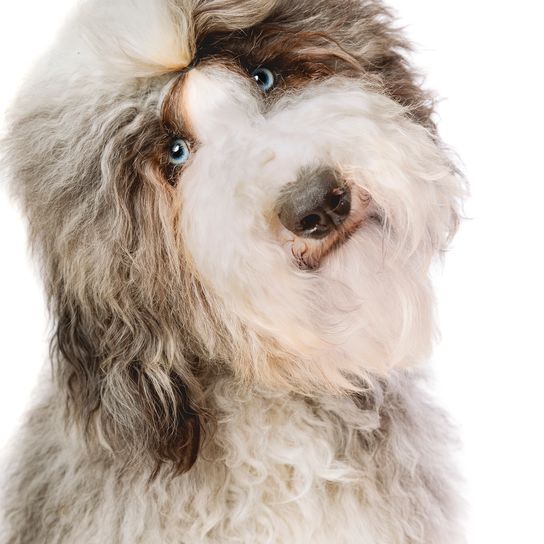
{"x": 108, "y": 46}
{"x": 234, "y": 59}
{"x": 296, "y": 56}
{"x": 308, "y": 41}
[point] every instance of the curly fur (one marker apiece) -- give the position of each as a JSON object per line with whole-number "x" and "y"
{"x": 207, "y": 389}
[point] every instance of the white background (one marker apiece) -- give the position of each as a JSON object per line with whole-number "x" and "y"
{"x": 484, "y": 57}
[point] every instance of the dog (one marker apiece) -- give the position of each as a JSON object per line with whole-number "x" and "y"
{"x": 235, "y": 205}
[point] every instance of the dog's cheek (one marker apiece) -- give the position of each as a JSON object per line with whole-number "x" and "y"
{"x": 383, "y": 310}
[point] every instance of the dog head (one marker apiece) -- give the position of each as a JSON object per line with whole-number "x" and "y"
{"x": 253, "y": 187}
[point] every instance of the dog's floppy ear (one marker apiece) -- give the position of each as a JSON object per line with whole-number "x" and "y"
{"x": 124, "y": 385}
{"x": 118, "y": 295}
{"x": 102, "y": 218}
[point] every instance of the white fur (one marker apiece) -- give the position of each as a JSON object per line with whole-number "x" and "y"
{"x": 371, "y": 315}
{"x": 280, "y": 470}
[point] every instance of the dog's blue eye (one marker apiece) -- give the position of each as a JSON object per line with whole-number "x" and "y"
{"x": 264, "y": 77}
{"x": 178, "y": 152}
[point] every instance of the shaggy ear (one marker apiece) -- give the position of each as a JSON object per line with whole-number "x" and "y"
{"x": 103, "y": 222}
{"x": 102, "y": 219}
{"x": 123, "y": 385}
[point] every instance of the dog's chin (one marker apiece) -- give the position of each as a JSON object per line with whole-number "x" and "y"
{"x": 309, "y": 254}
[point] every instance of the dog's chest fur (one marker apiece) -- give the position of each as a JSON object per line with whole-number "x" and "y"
{"x": 279, "y": 469}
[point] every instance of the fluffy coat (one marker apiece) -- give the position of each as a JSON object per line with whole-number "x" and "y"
{"x": 216, "y": 378}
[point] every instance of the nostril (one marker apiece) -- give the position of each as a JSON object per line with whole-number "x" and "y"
{"x": 316, "y": 224}
{"x": 338, "y": 202}
{"x": 337, "y": 205}
{"x": 310, "y": 222}
{"x": 333, "y": 201}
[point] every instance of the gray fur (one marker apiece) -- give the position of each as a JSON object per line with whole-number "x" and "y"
{"x": 169, "y": 419}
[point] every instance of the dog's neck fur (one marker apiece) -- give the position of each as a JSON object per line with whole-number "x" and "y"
{"x": 279, "y": 467}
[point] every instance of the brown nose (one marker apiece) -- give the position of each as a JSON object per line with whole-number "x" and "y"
{"x": 314, "y": 205}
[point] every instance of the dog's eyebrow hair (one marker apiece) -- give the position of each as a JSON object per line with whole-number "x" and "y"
{"x": 170, "y": 111}
{"x": 165, "y": 91}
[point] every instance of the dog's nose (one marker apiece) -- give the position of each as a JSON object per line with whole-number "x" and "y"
{"x": 315, "y": 204}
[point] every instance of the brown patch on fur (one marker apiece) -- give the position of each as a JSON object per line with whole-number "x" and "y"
{"x": 174, "y": 123}
{"x": 295, "y": 57}
{"x": 164, "y": 422}
{"x": 171, "y": 119}
{"x": 314, "y": 39}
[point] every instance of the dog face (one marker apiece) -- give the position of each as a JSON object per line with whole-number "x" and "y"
{"x": 220, "y": 186}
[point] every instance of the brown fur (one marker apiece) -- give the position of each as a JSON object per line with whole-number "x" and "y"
{"x": 347, "y": 37}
